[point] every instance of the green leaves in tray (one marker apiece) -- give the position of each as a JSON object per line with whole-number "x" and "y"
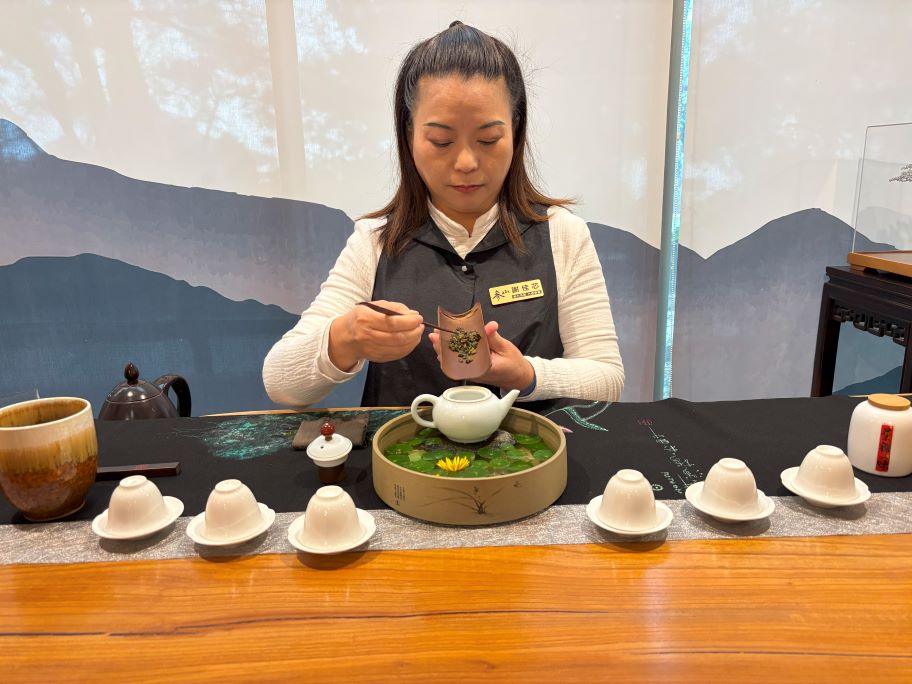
{"x": 528, "y": 440}
{"x": 422, "y": 452}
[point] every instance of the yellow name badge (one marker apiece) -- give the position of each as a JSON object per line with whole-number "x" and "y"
{"x": 505, "y": 294}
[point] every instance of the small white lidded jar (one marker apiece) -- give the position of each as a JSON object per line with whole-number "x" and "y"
{"x": 880, "y": 436}
{"x": 329, "y": 453}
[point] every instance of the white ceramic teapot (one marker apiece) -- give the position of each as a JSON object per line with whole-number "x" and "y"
{"x": 468, "y": 413}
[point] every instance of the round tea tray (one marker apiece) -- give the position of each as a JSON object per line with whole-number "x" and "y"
{"x": 471, "y": 500}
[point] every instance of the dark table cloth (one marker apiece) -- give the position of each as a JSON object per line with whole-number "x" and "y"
{"x": 672, "y": 442}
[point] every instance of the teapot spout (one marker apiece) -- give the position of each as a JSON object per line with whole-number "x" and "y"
{"x": 507, "y": 401}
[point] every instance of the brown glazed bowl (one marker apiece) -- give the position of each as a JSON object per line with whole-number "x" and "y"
{"x": 48, "y": 456}
{"x": 471, "y": 500}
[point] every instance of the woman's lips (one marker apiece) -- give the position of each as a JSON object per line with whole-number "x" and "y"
{"x": 465, "y": 188}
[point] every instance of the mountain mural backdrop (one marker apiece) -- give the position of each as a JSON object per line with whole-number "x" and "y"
{"x": 73, "y": 323}
{"x": 746, "y": 321}
{"x": 97, "y": 269}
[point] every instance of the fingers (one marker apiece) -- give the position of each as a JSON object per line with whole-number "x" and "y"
{"x": 435, "y": 342}
{"x": 396, "y": 344}
{"x": 408, "y": 321}
{"x": 385, "y": 337}
{"x": 496, "y": 343}
{"x": 398, "y": 307}
{"x": 386, "y": 347}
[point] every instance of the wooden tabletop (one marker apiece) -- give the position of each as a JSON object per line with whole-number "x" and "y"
{"x": 772, "y": 610}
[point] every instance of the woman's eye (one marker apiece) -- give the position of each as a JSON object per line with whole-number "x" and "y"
{"x": 441, "y": 145}
{"x": 489, "y": 142}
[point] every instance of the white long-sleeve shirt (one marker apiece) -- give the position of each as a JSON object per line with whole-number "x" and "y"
{"x": 298, "y": 371}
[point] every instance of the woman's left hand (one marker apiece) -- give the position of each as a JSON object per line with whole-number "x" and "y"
{"x": 509, "y": 368}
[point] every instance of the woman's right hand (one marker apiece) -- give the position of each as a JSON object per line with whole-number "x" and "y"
{"x": 363, "y": 333}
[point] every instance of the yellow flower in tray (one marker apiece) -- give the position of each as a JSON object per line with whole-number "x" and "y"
{"x": 454, "y": 464}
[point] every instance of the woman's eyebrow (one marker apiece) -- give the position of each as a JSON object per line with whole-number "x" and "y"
{"x": 490, "y": 124}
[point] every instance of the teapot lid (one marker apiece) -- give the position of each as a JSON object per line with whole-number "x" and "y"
{"x": 329, "y": 449}
{"x": 133, "y": 389}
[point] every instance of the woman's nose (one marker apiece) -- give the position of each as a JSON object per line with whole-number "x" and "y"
{"x": 466, "y": 161}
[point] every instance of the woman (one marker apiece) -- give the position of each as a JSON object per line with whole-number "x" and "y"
{"x": 465, "y": 223}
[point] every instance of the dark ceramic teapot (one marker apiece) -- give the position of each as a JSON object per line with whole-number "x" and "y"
{"x": 136, "y": 398}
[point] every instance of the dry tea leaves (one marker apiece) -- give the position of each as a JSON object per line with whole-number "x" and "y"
{"x": 465, "y": 344}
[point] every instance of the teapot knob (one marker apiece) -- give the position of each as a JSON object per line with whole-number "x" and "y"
{"x": 131, "y": 373}
{"x": 327, "y": 430}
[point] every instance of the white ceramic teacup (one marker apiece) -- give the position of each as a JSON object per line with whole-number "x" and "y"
{"x": 628, "y": 502}
{"x": 231, "y": 511}
{"x": 331, "y": 519}
{"x": 730, "y": 488}
{"x": 136, "y": 505}
{"x": 826, "y": 473}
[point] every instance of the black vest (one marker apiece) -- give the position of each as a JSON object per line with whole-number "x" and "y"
{"x": 429, "y": 273}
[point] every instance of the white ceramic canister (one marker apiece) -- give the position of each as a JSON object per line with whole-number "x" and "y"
{"x": 880, "y": 436}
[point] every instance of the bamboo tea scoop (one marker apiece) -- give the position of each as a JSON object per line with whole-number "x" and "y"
{"x": 390, "y": 312}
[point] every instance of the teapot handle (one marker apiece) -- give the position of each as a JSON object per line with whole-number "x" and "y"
{"x": 431, "y": 399}
{"x": 181, "y": 389}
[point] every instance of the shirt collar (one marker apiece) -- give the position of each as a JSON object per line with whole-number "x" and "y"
{"x": 455, "y": 231}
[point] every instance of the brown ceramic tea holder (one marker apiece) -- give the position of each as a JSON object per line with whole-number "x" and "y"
{"x": 452, "y": 365}
{"x": 333, "y": 475}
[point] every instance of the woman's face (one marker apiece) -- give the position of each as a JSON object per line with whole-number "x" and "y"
{"x": 462, "y": 143}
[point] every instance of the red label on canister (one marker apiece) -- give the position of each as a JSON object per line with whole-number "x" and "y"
{"x": 883, "y": 448}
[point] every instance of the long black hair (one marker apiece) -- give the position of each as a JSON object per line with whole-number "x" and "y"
{"x": 464, "y": 51}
